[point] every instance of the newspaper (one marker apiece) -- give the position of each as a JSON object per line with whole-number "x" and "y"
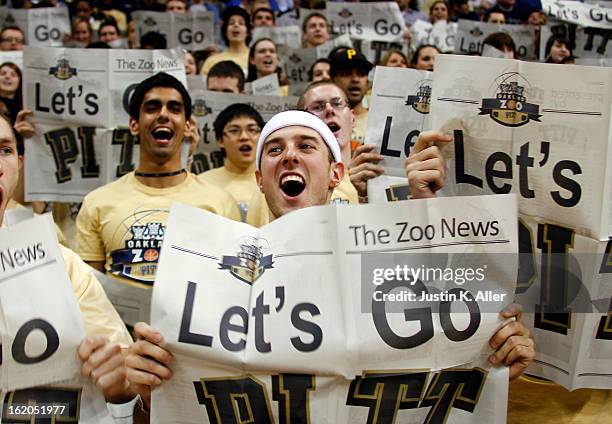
{"x": 471, "y": 34}
{"x": 290, "y": 36}
{"x": 44, "y": 26}
{"x": 191, "y": 31}
{"x": 206, "y": 108}
{"x": 14, "y": 56}
{"x": 442, "y": 34}
{"x": 80, "y": 103}
{"x": 589, "y": 43}
{"x": 275, "y": 319}
{"x": 575, "y": 12}
{"x": 266, "y": 86}
{"x": 518, "y": 129}
{"x": 399, "y": 111}
{"x": 366, "y": 21}
{"x": 49, "y": 320}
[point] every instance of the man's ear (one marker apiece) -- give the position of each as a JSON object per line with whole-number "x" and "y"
{"x": 221, "y": 143}
{"x": 259, "y": 180}
{"x": 336, "y": 173}
{"x": 20, "y": 161}
{"x": 134, "y": 127}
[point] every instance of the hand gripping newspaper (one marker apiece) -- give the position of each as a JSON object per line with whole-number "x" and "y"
{"x": 41, "y": 327}
{"x": 542, "y": 131}
{"x": 318, "y": 317}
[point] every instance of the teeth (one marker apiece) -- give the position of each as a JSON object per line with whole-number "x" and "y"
{"x": 292, "y": 178}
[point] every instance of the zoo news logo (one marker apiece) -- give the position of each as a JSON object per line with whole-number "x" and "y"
{"x": 250, "y": 263}
{"x": 510, "y": 107}
{"x": 421, "y": 101}
{"x": 63, "y": 70}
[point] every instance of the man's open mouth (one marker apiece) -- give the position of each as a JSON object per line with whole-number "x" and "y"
{"x": 163, "y": 134}
{"x": 268, "y": 62}
{"x": 245, "y": 148}
{"x": 333, "y": 127}
{"x": 292, "y": 185}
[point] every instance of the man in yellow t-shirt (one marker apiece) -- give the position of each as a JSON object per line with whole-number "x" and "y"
{"x": 121, "y": 225}
{"x": 101, "y": 350}
{"x": 237, "y": 129}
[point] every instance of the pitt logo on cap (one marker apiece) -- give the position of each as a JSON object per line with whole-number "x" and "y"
{"x": 350, "y": 53}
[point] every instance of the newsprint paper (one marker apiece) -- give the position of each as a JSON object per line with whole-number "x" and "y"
{"x": 288, "y": 323}
{"x": 542, "y": 131}
{"x": 41, "y": 326}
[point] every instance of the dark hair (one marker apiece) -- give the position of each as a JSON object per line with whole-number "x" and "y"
{"x": 232, "y": 112}
{"x": 161, "y": 79}
{"x": 489, "y": 12}
{"x": 300, "y": 103}
{"x": 227, "y": 14}
{"x": 499, "y": 40}
{"x": 321, "y": 60}
{"x": 560, "y": 38}
{"x": 154, "y": 39}
{"x": 14, "y": 28}
{"x": 313, "y": 15}
{"x": 444, "y": 2}
{"x": 252, "y": 73}
{"x": 17, "y": 100}
{"x": 228, "y": 69}
{"x": 109, "y": 21}
{"x": 263, "y": 9}
{"x": 415, "y": 56}
{"x": 98, "y": 45}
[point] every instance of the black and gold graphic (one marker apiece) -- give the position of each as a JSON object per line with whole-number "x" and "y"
{"x": 250, "y": 263}
{"x": 510, "y": 107}
{"x": 63, "y": 70}
{"x": 421, "y": 101}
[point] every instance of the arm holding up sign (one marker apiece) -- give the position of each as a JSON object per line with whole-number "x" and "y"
{"x": 426, "y": 172}
{"x": 364, "y": 166}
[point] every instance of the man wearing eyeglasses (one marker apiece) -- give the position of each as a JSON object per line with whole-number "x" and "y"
{"x": 330, "y": 103}
{"x": 237, "y": 129}
{"x": 11, "y": 38}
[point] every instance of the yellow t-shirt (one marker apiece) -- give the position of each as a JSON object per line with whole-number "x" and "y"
{"x": 12, "y": 204}
{"x": 242, "y": 59}
{"x": 532, "y": 400}
{"x": 259, "y": 215}
{"x": 359, "y": 129}
{"x": 123, "y": 223}
{"x": 100, "y": 316}
{"x": 240, "y": 186}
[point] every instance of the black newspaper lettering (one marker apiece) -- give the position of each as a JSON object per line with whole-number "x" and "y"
{"x": 384, "y": 149}
{"x": 567, "y": 183}
{"x": 454, "y": 388}
{"x": 552, "y": 313}
{"x": 292, "y": 392}
{"x": 492, "y": 173}
{"x": 185, "y": 334}
{"x": 90, "y": 168}
{"x": 234, "y": 400}
{"x": 524, "y": 162}
{"x": 228, "y": 325}
{"x": 605, "y": 35}
{"x": 65, "y": 151}
{"x": 18, "y": 347}
{"x": 199, "y": 163}
{"x": 446, "y": 321}
{"x": 385, "y": 393}
{"x": 460, "y": 174}
{"x": 527, "y": 267}
{"x": 422, "y": 315}
{"x": 309, "y": 327}
{"x": 123, "y": 137}
{"x": 68, "y": 397}
{"x": 604, "y": 329}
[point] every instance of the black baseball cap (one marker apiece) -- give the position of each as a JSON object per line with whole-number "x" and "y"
{"x": 348, "y": 59}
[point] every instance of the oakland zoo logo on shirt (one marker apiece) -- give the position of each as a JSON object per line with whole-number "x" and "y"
{"x": 420, "y": 102}
{"x": 200, "y": 108}
{"x": 510, "y": 107}
{"x": 250, "y": 263}
{"x": 63, "y": 70}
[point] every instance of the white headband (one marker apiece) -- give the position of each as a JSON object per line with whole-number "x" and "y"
{"x": 298, "y": 118}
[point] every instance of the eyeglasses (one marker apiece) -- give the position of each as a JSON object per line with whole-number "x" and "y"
{"x": 318, "y": 108}
{"x": 12, "y": 40}
{"x": 235, "y": 132}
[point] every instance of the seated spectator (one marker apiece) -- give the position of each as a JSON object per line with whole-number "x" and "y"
{"x": 315, "y": 30}
{"x": 10, "y": 88}
{"x": 111, "y": 10}
{"x": 514, "y": 12}
{"x": 11, "y": 38}
{"x": 191, "y": 66}
{"x": 226, "y": 77}
{"x": 558, "y": 50}
{"x": 460, "y": 9}
{"x": 263, "y": 17}
{"x": 502, "y": 42}
{"x": 319, "y": 71}
{"x": 176, "y": 6}
{"x": 236, "y": 32}
{"x": 109, "y": 33}
{"x": 81, "y": 32}
{"x": 394, "y": 58}
{"x": 263, "y": 61}
{"x": 424, "y": 56}
{"x": 493, "y": 17}
{"x": 132, "y": 35}
{"x": 438, "y": 11}
{"x": 153, "y": 40}
{"x": 83, "y": 10}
